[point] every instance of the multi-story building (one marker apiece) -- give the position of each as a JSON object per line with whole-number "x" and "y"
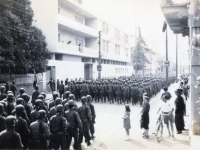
{"x": 72, "y": 37}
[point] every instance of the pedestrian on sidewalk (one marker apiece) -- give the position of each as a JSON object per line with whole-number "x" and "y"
{"x": 145, "y": 117}
{"x": 127, "y": 122}
{"x": 167, "y": 111}
{"x": 166, "y": 93}
{"x": 179, "y": 111}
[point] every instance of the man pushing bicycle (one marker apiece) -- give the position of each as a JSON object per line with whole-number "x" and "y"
{"x": 167, "y": 113}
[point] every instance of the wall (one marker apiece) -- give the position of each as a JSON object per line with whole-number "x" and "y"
{"x": 42, "y": 10}
{"x": 91, "y": 43}
{"x": 72, "y": 58}
{"x": 91, "y": 23}
{"x": 68, "y": 69}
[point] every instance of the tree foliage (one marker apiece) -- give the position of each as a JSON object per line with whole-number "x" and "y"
{"x": 138, "y": 53}
{"x": 22, "y": 46}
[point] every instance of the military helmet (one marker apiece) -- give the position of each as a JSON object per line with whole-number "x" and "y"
{"x": 58, "y": 101}
{"x": 19, "y": 109}
{"x": 21, "y": 90}
{"x": 71, "y": 96}
{"x": 59, "y": 108}
{"x": 38, "y": 103}
{"x": 41, "y": 97}
{"x": 10, "y": 95}
{"x": 67, "y": 93}
{"x": 26, "y": 97}
{"x": 55, "y": 94}
{"x": 89, "y": 98}
{"x": 44, "y": 94}
{"x": 9, "y": 92}
{"x": 20, "y": 101}
{"x": 83, "y": 99}
{"x": 41, "y": 114}
{"x": 71, "y": 103}
{"x": 10, "y": 121}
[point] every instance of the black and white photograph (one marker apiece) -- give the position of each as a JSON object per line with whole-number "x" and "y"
{"x": 100, "y": 74}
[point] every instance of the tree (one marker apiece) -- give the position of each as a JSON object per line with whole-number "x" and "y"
{"x": 22, "y": 46}
{"x": 138, "y": 53}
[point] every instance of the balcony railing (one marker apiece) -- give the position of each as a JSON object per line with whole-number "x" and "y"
{"x": 77, "y": 50}
{"x": 71, "y": 25}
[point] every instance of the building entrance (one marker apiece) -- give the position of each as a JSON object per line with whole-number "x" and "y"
{"x": 88, "y": 71}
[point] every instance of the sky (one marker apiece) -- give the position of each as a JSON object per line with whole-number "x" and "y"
{"x": 127, "y": 15}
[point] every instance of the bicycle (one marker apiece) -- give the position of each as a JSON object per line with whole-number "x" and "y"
{"x": 159, "y": 128}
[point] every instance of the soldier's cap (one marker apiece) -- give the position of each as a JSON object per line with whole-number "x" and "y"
{"x": 19, "y": 99}
{"x": 21, "y": 90}
{"x": 44, "y": 94}
{"x": 71, "y": 96}
{"x": 9, "y": 92}
{"x": 68, "y": 92}
{"x": 41, "y": 114}
{"x": 41, "y": 97}
{"x": 38, "y": 102}
{"x": 83, "y": 99}
{"x": 58, "y": 101}
{"x": 10, "y": 121}
{"x": 59, "y": 108}
{"x": 19, "y": 109}
{"x": 55, "y": 93}
{"x": 10, "y": 95}
{"x": 89, "y": 98}
{"x": 2, "y": 88}
{"x": 71, "y": 103}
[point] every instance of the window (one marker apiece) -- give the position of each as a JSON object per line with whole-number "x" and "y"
{"x": 58, "y": 37}
{"x": 105, "y": 28}
{"x": 126, "y": 38}
{"x": 116, "y": 49}
{"x": 126, "y": 51}
{"x": 79, "y": 19}
{"x": 107, "y": 46}
{"x": 58, "y": 57}
{"x": 58, "y": 10}
{"x": 115, "y": 70}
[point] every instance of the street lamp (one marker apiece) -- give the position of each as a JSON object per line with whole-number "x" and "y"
{"x": 163, "y": 30}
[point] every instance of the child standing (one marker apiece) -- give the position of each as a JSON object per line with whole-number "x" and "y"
{"x": 127, "y": 123}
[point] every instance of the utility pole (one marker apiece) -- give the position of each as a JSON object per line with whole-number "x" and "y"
{"x": 99, "y": 68}
{"x": 176, "y": 56}
{"x": 165, "y": 29}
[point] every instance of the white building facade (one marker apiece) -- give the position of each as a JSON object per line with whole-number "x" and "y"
{"x": 72, "y": 38}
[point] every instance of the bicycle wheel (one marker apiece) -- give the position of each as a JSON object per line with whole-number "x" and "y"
{"x": 159, "y": 132}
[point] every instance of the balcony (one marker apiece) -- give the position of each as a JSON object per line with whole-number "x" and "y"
{"x": 69, "y": 25}
{"x": 76, "y": 50}
{"x": 88, "y": 52}
{"x": 176, "y": 14}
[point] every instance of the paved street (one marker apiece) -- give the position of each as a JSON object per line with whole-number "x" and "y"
{"x": 110, "y": 133}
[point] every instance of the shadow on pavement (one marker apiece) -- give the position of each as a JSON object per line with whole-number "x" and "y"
{"x": 137, "y": 143}
{"x": 163, "y": 142}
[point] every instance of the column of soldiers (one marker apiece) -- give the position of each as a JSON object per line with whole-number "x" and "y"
{"x": 122, "y": 90}
{"x": 36, "y": 124}
{"x": 32, "y": 123}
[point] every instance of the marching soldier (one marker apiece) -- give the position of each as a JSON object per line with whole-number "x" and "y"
{"x": 102, "y": 92}
{"x": 85, "y": 116}
{"x": 109, "y": 89}
{"x": 58, "y": 128}
{"x": 83, "y": 89}
{"x": 27, "y": 107}
{"x": 9, "y": 139}
{"x": 52, "y": 102}
{"x": 2, "y": 94}
{"x": 21, "y": 126}
{"x": 75, "y": 126}
{"x": 126, "y": 93}
{"x": 118, "y": 90}
{"x": 39, "y": 132}
{"x": 93, "y": 115}
{"x": 61, "y": 89}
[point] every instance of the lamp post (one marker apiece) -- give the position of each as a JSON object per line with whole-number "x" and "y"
{"x": 163, "y": 30}
{"x": 99, "y": 63}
